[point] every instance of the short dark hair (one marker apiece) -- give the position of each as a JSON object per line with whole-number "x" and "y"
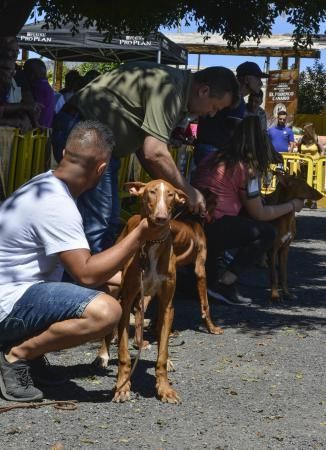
{"x": 220, "y": 81}
{"x": 282, "y": 113}
{"x": 103, "y": 133}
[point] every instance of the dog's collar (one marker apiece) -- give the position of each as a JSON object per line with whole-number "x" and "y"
{"x": 160, "y": 241}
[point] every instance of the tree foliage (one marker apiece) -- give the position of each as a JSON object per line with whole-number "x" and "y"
{"x": 236, "y": 20}
{"x": 100, "y": 67}
{"x": 312, "y": 89}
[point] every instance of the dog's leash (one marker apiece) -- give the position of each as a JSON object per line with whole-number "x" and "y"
{"x": 66, "y": 405}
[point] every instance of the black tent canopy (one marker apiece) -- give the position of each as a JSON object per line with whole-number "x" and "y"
{"x": 90, "y": 45}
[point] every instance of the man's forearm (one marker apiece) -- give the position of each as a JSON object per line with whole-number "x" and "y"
{"x": 163, "y": 166}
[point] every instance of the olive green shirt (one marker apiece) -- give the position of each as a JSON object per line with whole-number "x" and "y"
{"x": 135, "y": 100}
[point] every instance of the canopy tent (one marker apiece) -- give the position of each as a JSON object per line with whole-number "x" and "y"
{"x": 89, "y": 45}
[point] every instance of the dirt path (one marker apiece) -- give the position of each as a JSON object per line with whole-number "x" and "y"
{"x": 260, "y": 385}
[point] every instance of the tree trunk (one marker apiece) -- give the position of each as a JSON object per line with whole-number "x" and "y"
{"x": 13, "y": 15}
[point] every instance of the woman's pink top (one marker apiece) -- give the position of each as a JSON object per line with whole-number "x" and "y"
{"x": 225, "y": 183}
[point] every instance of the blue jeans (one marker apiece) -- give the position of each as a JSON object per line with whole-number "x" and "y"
{"x": 63, "y": 123}
{"x": 42, "y": 305}
{"x": 99, "y": 207}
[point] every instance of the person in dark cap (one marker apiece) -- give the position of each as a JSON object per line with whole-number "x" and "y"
{"x": 215, "y": 132}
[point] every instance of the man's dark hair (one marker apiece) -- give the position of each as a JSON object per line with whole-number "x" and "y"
{"x": 81, "y": 130}
{"x": 282, "y": 113}
{"x": 220, "y": 81}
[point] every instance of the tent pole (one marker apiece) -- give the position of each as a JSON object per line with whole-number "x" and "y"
{"x": 198, "y": 62}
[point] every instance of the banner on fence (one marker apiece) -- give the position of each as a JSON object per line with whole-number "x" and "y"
{"x": 281, "y": 94}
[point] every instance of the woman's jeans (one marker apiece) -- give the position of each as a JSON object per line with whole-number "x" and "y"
{"x": 99, "y": 207}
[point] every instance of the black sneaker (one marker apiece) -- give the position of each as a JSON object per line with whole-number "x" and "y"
{"x": 228, "y": 294}
{"x": 16, "y": 382}
{"x": 44, "y": 374}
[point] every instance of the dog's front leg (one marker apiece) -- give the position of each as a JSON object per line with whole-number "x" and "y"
{"x": 283, "y": 260}
{"x": 275, "y": 296}
{"x": 123, "y": 385}
{"x": 165, "y": 318}
{"x": 103, "y": 355}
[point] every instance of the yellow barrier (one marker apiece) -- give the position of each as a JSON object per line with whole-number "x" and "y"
{"x": 321, "y": 179}
{"x": 313, "y": 171}
{"x": 29, "y": 154}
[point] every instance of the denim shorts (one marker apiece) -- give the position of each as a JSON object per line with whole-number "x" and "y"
{"x": 42, "y": 305}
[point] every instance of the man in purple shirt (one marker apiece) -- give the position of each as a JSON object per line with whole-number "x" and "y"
{"x": 43, "y": 94}
{"x": 281, "y": 136}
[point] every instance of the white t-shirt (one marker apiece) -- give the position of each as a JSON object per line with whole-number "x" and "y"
{"x": 37, "y": 221}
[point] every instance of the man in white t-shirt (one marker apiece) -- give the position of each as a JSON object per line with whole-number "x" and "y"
{"x": 41, "y": 234}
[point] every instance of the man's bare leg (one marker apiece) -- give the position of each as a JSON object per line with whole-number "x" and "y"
{"x": 100, "y": 317}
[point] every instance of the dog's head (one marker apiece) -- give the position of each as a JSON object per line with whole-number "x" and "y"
{"x": 298, "y": 187}
{"x": 158, "y": 199}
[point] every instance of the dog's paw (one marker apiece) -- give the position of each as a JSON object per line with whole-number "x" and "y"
{"x": 145, "y": 346}
{"x": 101, "y": 362}
{"x": 215, "y": 330}
{"x": 275, "y": 296}
{"x": 169, "y": 395}
{"x": 166, "y": 394}
{"x": 122, "y": 395}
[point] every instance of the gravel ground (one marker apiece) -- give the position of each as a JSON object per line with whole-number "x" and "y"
{"x": 260, "y": 385}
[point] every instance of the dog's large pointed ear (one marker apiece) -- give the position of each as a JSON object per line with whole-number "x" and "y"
{"x": 135, "y": 188}
{"x": 180, "y": 197}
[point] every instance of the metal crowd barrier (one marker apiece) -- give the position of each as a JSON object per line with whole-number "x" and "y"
{"x": 22, "y": 156}
{"x": 312, "y": 170}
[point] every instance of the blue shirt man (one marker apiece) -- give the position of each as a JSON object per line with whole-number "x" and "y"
{"x": 280, "y": 135}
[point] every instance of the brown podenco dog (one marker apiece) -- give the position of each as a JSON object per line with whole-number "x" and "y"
{"x": 288, "y": 188}
{"x": 158, "y": 259}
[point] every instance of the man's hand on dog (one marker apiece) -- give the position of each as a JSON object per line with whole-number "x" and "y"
{"x": 196, "y": 202}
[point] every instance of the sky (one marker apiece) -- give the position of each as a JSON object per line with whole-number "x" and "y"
{"x": 280, "y": 27}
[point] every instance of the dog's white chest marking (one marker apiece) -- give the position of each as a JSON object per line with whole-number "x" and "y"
{"x": 152, "y": 279}
{"x": 287, "y": 237}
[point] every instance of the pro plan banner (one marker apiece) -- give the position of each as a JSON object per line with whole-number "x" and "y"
{"x": 281, "y": 94}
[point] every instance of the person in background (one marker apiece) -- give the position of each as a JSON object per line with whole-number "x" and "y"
{"x": 88, "y": 77}
{"x": 281, "y": 136}
{"x": 72, "y": 84}
{"x": 215, "y": 132}
{"x": 308, "y": 145}
{"x": 253, "y": 108}
{"x": 18, "y": 115}
{"x": 43, "y": 94}
{"x": 233, "y": 176}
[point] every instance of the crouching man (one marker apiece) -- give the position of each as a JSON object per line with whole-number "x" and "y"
{"x": 41, "y": 234}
